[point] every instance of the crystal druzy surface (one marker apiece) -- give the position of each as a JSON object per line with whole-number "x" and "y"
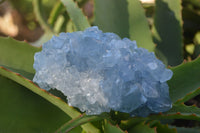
{"x": 100, "y": 71}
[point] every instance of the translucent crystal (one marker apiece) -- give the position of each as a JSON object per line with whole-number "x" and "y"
{"x": 100, "y": 71}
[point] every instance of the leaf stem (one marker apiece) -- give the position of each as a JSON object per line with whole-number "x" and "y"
{"x": 82, "y": 119}
{"x": 37, "y": 11}
{"x": 55, "y": 12}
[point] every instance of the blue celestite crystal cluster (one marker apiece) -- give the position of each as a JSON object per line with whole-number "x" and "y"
{"x": 100, "y": 71}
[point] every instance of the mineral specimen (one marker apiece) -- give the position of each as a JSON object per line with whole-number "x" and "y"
{"x": 100, "y": 71}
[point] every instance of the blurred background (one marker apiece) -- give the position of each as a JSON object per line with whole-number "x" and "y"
{"x": 21, "y": 20}
{"x": 18, "y": 19}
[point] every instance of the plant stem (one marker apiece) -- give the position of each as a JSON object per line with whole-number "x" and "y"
{"x": 44, "y": 25}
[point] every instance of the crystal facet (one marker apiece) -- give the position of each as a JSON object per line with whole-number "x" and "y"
{"x": 100, "y": 71}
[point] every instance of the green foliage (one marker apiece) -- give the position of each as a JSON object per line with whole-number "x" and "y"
{"x": 163, "y": 128}
{"x": 37, "y": 4}
{"x": 181, "y": 85}
{"x": 185, "y": 110}
{"x": 178, "y": 111}
{"x": 76, "y": 15}
{"x": 79, "y": 121}
{"x": 129, "y": 21}
{"x": 27, "y": 108}
{"x": 109, "y": 128}
{"x": 109, "y": 18}
{"x": 57, "y": 9}
{"x": 142, "y": 128}
{"x": 25, "y": 111}
{"x": 70, "y": 111}
{"x": 139, "y": 28}
{"x": 17, "y": 55}
{"x": 168, "y": 30}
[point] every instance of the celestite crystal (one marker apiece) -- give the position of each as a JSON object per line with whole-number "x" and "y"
{"x": 100, "y": 71}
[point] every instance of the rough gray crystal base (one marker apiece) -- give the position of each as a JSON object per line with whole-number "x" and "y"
{"x": 100, "y": 71}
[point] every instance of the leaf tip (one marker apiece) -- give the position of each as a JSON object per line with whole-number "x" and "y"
{"x": 178, "y": 113}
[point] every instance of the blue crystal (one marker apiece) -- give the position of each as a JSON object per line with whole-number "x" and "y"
{"x": 100, "y": 71}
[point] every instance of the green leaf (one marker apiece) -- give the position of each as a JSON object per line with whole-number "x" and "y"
{"x": 163, "y": 128}
{"x": 57, "y": 9}
{"x": 82, "y": 119}
{"x": 59, "y": 23}
{"x": 138, "y": 26}
{"x": 178, "y": 111}
{"x": 142, "y": 128}
{"x": 58, "y": 18}
{"x": 126, "y": 124}
{"x": 189, "y": 96}
{"x": 167, "y": 30}
{"x": 22, "y": 72}
{"x": 112, "y": 16}
{"x": 17, "y": 54}
{"x": 76, "y": 15}
{"x": 109, "y": 128}
{"x": 185, "y": 81}
{"x": 129, "y": 21}
{"x": 161, "y": 57}
{"x": 185, "y": 110}
{"x": 24, "y": 111}
{"x": 50, "y": 98}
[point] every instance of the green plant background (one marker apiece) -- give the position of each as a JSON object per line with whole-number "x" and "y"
{"x": 170, "y": 28}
